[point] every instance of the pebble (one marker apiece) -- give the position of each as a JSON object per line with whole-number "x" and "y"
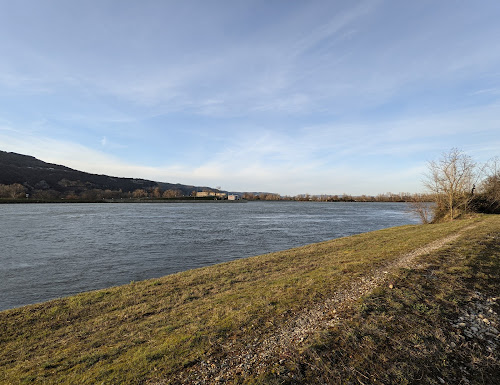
{"x": 474, "y": 325}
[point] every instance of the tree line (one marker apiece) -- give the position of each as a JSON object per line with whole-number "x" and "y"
{"x": 18, "y": 191}
{"x": 386, "y": 197}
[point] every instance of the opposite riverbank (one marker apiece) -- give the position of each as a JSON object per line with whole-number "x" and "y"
{"x": 160, "y": 200}
{"x": 412, "y": 304}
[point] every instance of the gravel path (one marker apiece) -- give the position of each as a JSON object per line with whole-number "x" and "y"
{"x": 255, "y": 356}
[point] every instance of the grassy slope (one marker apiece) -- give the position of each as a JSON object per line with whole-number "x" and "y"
{"x": 157, "y": 328}
{"x": 409, "y": 334}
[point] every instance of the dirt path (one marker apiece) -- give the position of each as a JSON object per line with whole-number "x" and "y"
{"x": 253, "y": 357}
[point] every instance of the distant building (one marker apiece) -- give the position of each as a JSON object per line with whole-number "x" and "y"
{"x": 217, "y": 195}
{"x": 233, "y": 197}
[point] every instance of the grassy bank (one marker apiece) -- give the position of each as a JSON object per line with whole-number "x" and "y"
{"x": 155, "y": 331}
{"x": 438, "y": 324}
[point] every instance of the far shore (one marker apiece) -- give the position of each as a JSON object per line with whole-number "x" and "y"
{"x": 197, "y": 200}
{"x": 183, "y": 200}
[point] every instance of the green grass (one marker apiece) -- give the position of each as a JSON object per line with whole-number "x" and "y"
{"x": 405, "y": 335}
{"x": 157, "y": 328}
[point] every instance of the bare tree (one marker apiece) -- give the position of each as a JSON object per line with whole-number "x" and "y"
{"x": 452, "y": 180}
{"x": 139, "y": 193}
{"x": 12, "y": 191}
{"x": 421, "y": 206}
{"x": 172, "y": 193}
{"x": 156, "y": 192}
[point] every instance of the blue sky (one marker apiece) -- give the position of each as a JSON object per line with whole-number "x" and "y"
{"x": 319, "y": 97}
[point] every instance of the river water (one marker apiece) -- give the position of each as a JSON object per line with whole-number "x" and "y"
{"x": 53, "y": 250}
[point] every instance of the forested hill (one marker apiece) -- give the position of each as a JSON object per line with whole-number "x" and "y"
{"x": 37, "y": 176}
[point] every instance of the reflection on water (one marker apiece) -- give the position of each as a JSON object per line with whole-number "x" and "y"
{"x": 53, "y": 250}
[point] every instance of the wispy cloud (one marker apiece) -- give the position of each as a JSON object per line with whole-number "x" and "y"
{"x": 488, "y": 91}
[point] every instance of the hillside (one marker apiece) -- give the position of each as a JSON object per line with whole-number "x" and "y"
{"x": 406, "y": 305}
{"x": 36, "y": 175}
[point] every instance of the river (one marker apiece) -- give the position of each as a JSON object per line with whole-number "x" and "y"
{"x": 53, "y": 250}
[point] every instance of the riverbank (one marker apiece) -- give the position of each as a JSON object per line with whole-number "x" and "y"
{"x": 392, "y": 306}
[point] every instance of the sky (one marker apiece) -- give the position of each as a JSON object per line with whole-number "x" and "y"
{"x": 284, "y": 96}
